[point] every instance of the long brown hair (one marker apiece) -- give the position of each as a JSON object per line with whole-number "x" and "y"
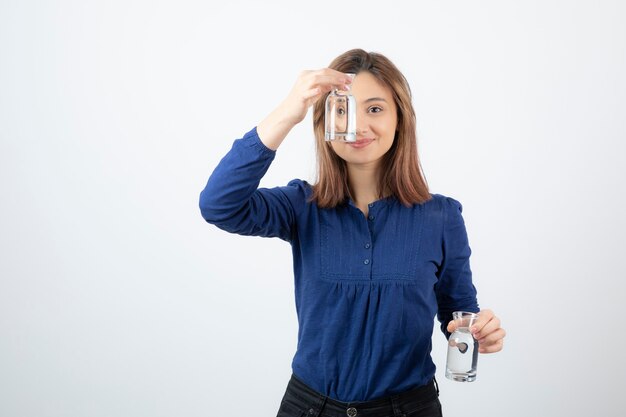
{"x": 401, "y": 171}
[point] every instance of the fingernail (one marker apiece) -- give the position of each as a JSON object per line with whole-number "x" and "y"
{"x": 346, "y": 87}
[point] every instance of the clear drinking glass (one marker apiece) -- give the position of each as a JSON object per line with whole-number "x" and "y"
{"x": 340, "y": 116}
{"x": 462, "y": 349}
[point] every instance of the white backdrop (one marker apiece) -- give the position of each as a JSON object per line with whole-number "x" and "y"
{"x": 116, "y": 299}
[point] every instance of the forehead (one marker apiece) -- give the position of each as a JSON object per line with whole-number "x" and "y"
{"x": 366, "y": 86}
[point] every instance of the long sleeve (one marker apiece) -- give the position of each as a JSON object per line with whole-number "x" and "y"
{"x": 233, "y": 202}
{"x": 454, "y": 289}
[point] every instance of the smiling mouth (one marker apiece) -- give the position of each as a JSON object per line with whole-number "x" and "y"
{"x": 361, "y": 143}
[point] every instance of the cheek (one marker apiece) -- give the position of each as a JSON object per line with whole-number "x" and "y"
{"x": 385, "y": 128}
{"x": 388, "y": 145}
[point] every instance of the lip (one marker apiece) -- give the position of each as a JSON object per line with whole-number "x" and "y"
{"x": 361, "y": 143}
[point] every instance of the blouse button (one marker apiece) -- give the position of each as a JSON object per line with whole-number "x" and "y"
{"x": 367, "y": 246}
{"x": 370, "y": 205}
{"x": 366, "y": 262}
{"x": 371, "y": 217}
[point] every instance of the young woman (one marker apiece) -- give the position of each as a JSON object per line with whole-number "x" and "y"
{"x": 376, "y": 256}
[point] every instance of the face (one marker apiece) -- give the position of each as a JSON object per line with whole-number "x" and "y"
{"x": 376, "y": 122}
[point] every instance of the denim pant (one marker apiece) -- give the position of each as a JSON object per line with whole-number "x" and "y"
{"x": 300, "y": 400}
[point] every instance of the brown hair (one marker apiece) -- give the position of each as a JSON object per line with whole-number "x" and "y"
{"x": 401, "y": 171}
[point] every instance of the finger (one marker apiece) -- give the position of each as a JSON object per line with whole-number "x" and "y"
{"x": 309, "y": 94}
{"x": 336, "y": 80}
{"x": 496, "y": 347}
{"x": 492, "y": 337}
{"x": 451, "y": 326}
{"x": 329, "y": 72}
{"x": 491, "y": 326}
{"x": 483, "y": 318}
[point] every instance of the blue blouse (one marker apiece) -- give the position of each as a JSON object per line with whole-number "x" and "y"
{"x": 367, "y": 288}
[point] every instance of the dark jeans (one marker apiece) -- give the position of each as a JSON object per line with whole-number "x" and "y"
{"x": 300, "y": 400}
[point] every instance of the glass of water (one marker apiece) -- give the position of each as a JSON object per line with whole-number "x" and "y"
{"x": 462, "y": 349}
{"x": 340, "y": 116}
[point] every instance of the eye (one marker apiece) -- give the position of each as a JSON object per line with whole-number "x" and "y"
{"x": 375, "y": 109}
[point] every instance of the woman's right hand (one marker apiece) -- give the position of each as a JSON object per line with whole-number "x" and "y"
{"x": 309, "y": 87}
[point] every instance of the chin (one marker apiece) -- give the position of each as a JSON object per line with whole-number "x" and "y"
{"x": 362, "y": 161}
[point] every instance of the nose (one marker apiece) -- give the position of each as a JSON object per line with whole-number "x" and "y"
{"x": 361, "y": 128}
{"x": 362, "y": 122}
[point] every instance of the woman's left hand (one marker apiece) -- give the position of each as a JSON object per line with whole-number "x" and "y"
{"x": 487, "y": 331}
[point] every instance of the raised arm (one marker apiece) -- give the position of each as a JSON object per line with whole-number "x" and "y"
{"x": 231, "y": 199}
{"x": 309, "y": 87}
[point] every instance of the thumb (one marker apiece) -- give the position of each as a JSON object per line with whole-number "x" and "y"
{"x": 451, "y": 326}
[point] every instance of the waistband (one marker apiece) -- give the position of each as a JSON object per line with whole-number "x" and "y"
{"x": 315, "y": 404}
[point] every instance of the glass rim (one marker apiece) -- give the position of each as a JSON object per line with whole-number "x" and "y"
{"x": 465, "y": 313}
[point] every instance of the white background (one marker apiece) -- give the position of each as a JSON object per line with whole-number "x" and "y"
{"x": 116, "y": 299}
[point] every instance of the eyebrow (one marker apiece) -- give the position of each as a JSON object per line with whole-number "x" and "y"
{"x": 374, "y": 99}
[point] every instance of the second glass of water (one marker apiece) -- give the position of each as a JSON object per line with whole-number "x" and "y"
{"x": 462, "y": 349}
{"x": 340, "y": 116}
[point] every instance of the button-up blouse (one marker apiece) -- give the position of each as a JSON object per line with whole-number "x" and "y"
{"x": 367, "y": 289}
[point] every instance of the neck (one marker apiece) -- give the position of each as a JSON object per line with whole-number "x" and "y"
{"x": 363, "y": 182}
